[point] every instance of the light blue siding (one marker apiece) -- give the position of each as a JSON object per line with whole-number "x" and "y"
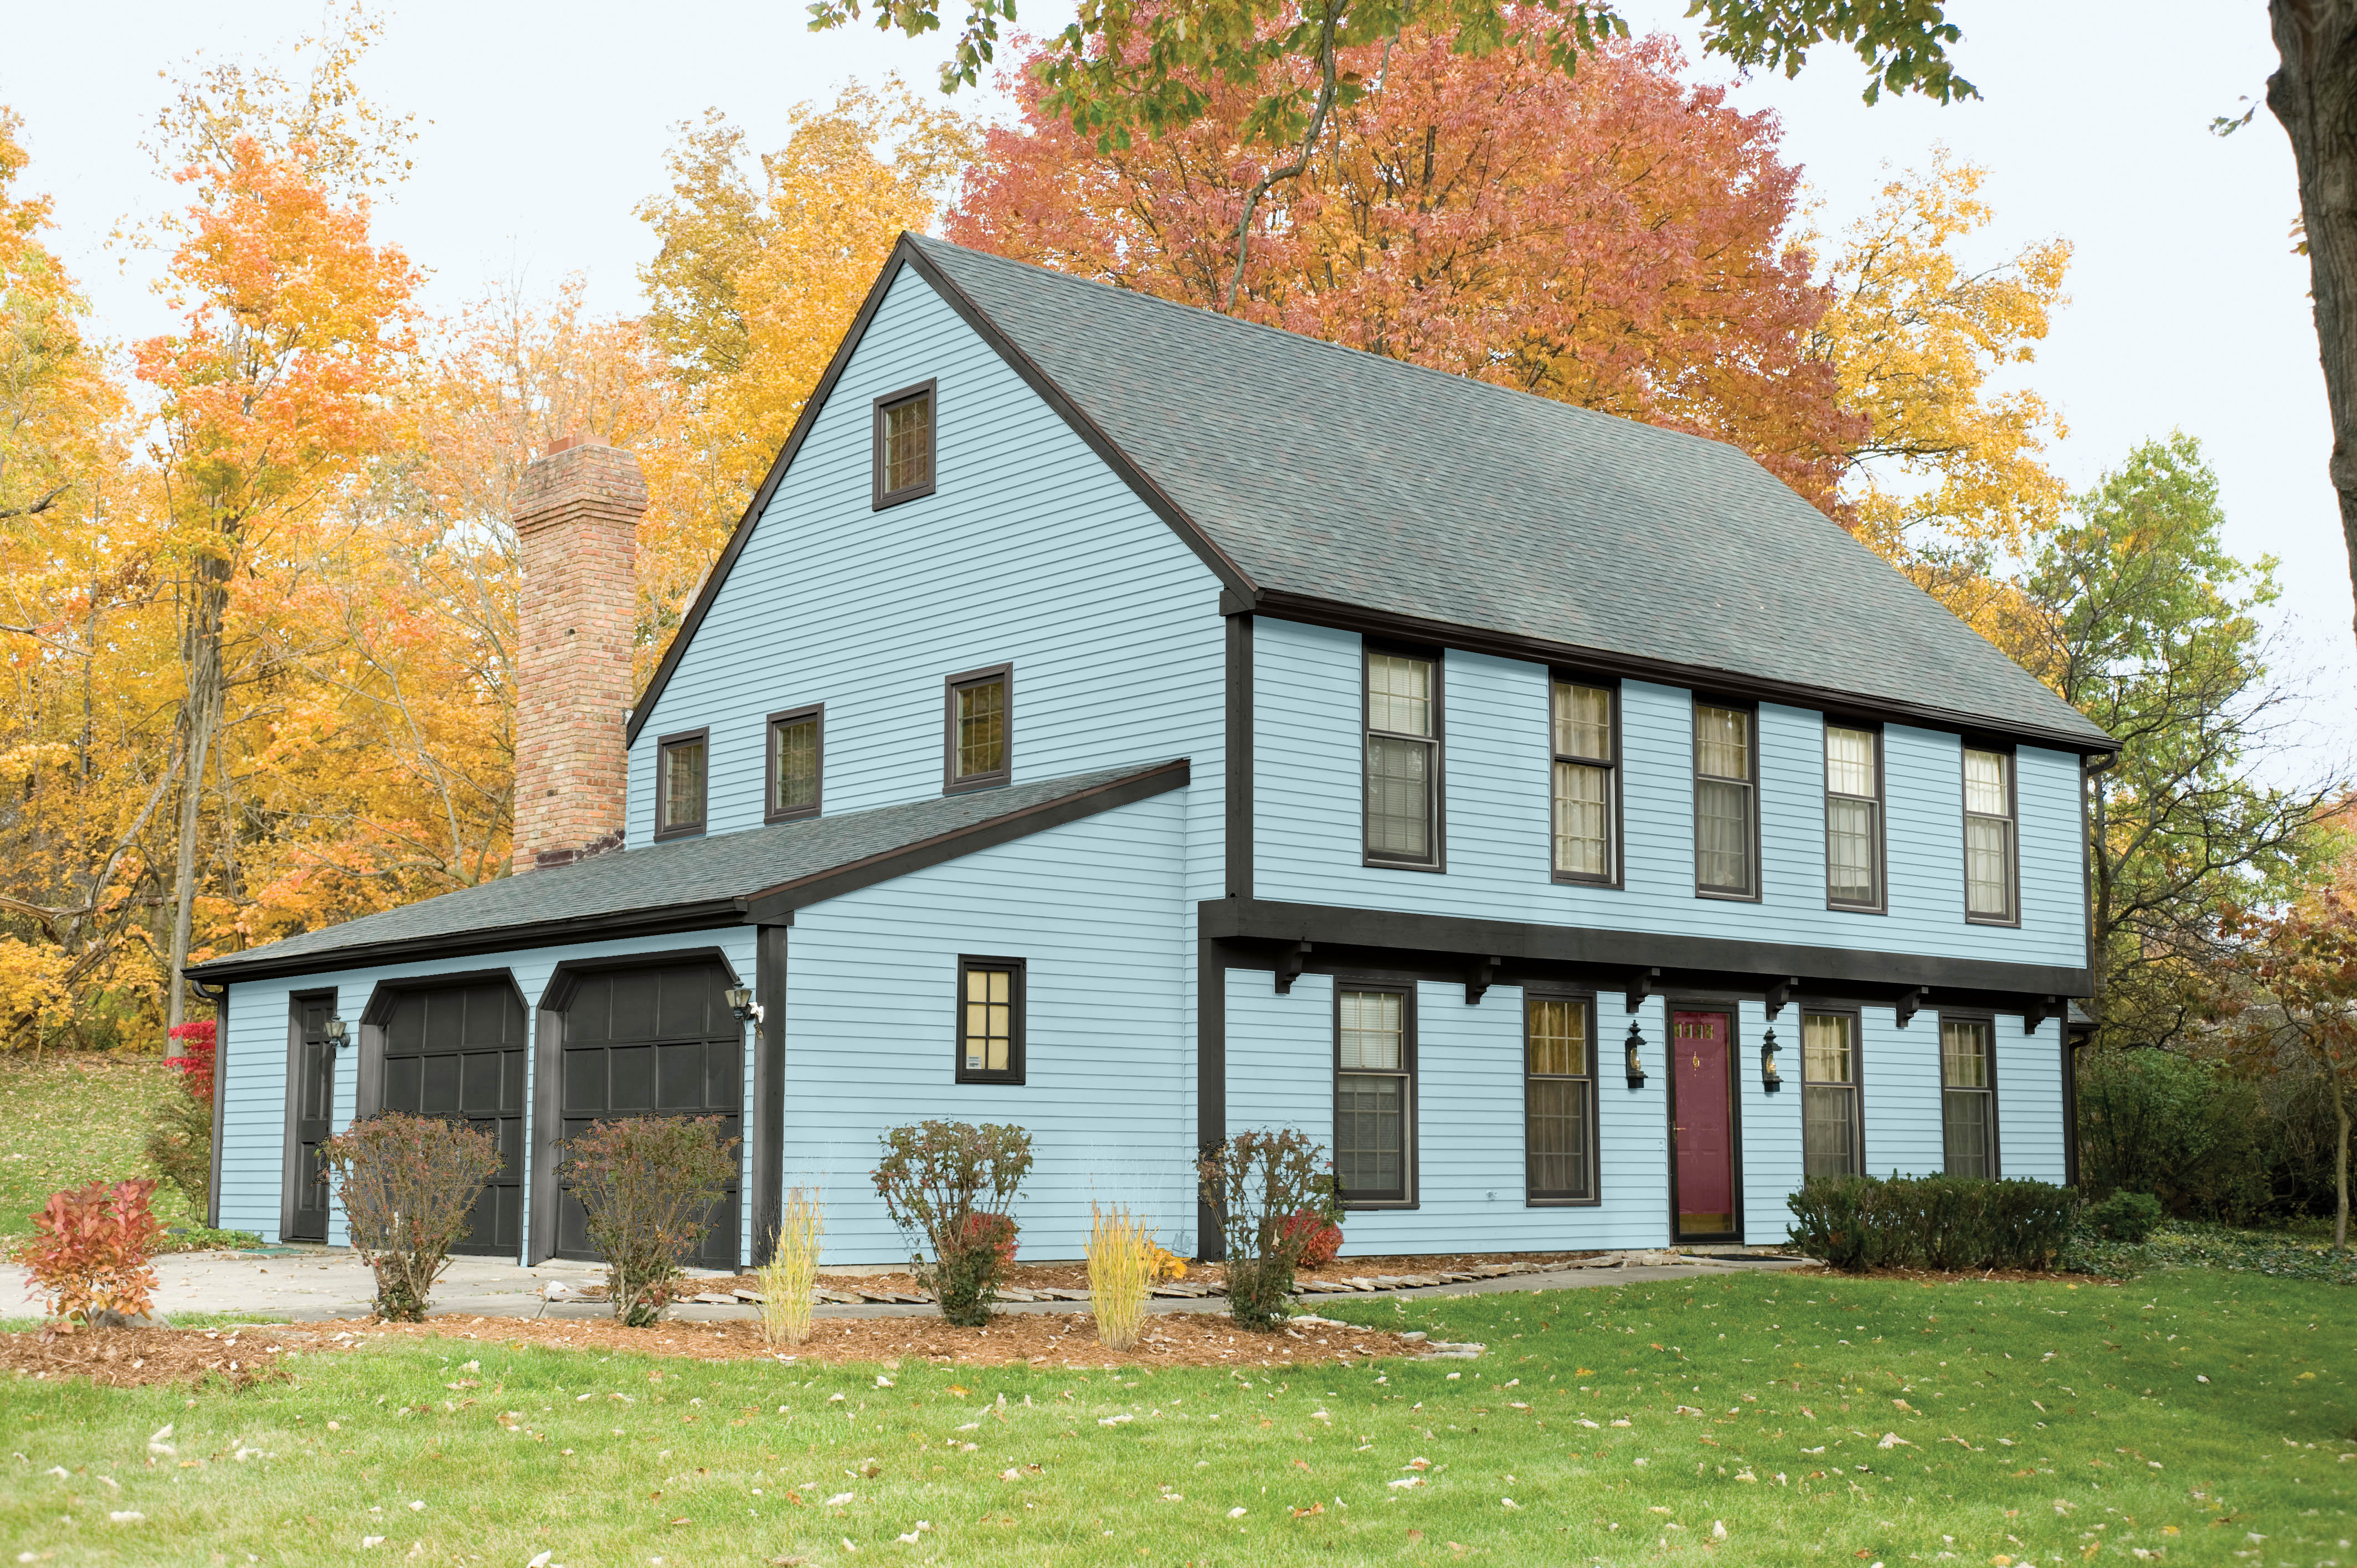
{"x": 1306, "y": 807}
{"x": 1771, "y": 1122}
{"x": 2029, "y": 1132}
{"x": 1030, "y": 552}
{"x": 1095, "y": 908}
{"x": 1898, "y": 1085}
{"x": 254, "y": 1116}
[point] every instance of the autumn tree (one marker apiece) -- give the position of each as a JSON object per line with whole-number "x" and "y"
{"x": 2136, "y": 614}
{"x": 271, "y": 395}
{"x": 1615, "y": 239}
{"x": 2301, "y": 963}
{"x": 750, "y": 290}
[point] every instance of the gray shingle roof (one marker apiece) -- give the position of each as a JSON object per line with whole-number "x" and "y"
{"x": 709, "y": 881}
{"x": 1363, "y": 481}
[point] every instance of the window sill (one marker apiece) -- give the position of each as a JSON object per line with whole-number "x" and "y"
{"x": 1004, "y": 1080}
{"x": 1435, "y": 868}
{"x": 968, "y": 785}
{"x": 800, "y": 814}
{"x": 1563, "y": 1203}
{"x": 896, "y": 497}
{"x": 1839, "y": 907}
{"x": 667, "y": 834}
{"x": 1722, "y": 895}
{"x": 2005, "y": 923}
{"x": 1375, "y": 1205}
{"x": 1572, "y": 879}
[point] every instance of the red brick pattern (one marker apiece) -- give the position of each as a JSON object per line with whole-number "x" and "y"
{"x": 577, "y": 519}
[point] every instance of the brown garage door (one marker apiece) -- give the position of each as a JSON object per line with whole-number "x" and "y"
{"x": 654, "y": 1042}
{"x": 459, "y": 1052}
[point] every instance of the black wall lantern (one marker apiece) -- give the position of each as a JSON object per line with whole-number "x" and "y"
{"x": 1769, "y": 1078}
{"x": 741, "y": 1002}
{"x": 336, "y": 1033}
{"x": 1636, "y": 1047}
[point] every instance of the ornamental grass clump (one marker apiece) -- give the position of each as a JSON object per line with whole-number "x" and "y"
{"x": 90, "y": 1251}
{"x": 948, "y": 1186}
{"x": 407, "y": 1183}
{"x": 1274, "y": 1194}
{"x": 647, "y": 1185}
{"x": 1124, "y": 1263}
{"x": 789, "y": 1279}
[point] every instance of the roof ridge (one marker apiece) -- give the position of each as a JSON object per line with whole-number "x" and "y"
{"x": 1454, "y": 378}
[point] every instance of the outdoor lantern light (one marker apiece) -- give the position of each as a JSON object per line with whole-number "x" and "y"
{"x": 1636, "y": 1058}
{"x": 1769, "y": 1078}
{"x": 336, "y": 1032}
{"x": 741, "y": 1002}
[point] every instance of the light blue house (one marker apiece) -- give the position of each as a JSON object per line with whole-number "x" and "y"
{"x": 1140, "y": 726}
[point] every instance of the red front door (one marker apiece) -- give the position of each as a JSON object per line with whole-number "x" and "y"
{"x": 1702, "y": 1112}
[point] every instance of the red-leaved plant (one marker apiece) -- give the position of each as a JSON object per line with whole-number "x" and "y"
{"x": 90, "y": 1248}
{"x": 200, "y": 1049}
{"x": 1320, "y": 1238}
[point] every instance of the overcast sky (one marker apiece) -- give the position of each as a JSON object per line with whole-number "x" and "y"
{"x": 545, "y": 124}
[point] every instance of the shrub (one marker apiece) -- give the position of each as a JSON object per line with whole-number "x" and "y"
{"x": 948, "y": 1184}
{"x": 180, "y": 1146}
{"x": 1263, "y": 1187}
{"x": 1123, "y": 1266}
{"x": 90, "y": 1250}
{"x": 2124, "y": 1217}
{"x": 199, "y": 1044}
{"x": 648, "y": 1184}
{"x": 2188, "y": 1131}
{"x": 406, "y": 1184}
{"x": 1167, "y": 1264}
{"x": 1320, "y": 1238}
{"x": 790, "y": 1276}
{"x": 1950, "y": 1223}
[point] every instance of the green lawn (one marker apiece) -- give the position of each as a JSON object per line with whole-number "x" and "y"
{"x": 70, "y": 1120}
{"x": 2039, "y": 1423}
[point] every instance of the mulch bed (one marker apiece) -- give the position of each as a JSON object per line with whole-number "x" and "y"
{"x": 129, "y": 1357}
{"x": 1053, "y": 1339}
{"x": 1075, "y": 1275}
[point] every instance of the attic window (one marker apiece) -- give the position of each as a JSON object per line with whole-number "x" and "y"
{"x": 904, "y": 445}
{"x": 678, "y": 784}
{"x": 979, "y": 722}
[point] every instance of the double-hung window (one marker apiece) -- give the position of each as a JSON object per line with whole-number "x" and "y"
{"x": 1989, "y": 855}
{"x": 1585, "y": 804}
{"x": 1374, "y": 1100}
{"x": 680, "y": 764}
{"x": 1726, "y": 849}
{"x": 1852, "y": 817}
{"x": 1968, "y": 1095}
{"x": 1559, "y": 1098}
{"x": 904, "y": 445}
{"x": 1829, "y": 1111}
{"x": 794, "y": 739}
{"x": 977, "y": 739}
{"x": 990, "y": 1020}
{"x": 1403, "y": 751}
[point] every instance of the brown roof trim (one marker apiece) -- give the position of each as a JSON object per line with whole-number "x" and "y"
{"x": 775, "y": 906}
{"x": 1281, "y": 605}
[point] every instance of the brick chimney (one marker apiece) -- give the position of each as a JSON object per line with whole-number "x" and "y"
{"x": 577, "y": 518}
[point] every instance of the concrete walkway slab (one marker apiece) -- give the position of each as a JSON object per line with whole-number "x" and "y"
{"x": 308, "y": 1284}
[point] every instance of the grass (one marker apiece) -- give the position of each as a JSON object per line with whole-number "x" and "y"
{"x": 71, "y": 1120}
{"x": 2041, "y": 1422}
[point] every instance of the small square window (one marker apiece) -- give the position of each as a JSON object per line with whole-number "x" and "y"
{"x": 904, "y": 445}
{"x": 978, "y": 743}
{"x": 680, "y": 771}
{"x": 990, "y": 1020}
{"x": 793, "y": 770}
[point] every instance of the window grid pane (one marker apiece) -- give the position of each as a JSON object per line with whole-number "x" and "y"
{"x": 1372, "y": 1027}
{"x": 1984, "y": 784}
{"x": 1399, "y": 694}
{"x": 907, "y": 443}
{"x": 1849, "y": 850}
{"x": 1723, "y": 836}
{"x": 1723, "y": 743}
{"x": 1963, "y": 1055}
{"x": 1399, "y": 797}
{"x": 683, "y": 784}
{"x": 1965, "y": 1113}
{"x": 1988, "y": 866}
{"x": 982, "y": 729}
{"x": 1849, "y": 762}
{"x": 1583, "y": 722}
{"x": 1825, "y": 1052}
{"x": 1562, "y": 1137}
{"x": 1583, "y": 820}
{"x": 793, "y": 762}
{"x": 1558, "y": 1038}
{"x": 1828, "y": 1130}
{"x": 1370, "y": 1125}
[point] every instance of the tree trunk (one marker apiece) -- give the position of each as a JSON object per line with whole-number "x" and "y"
{"x": 2340, "y": 1167}
{"x": 2314, "y": 94}
{"x": 200, "y": 720}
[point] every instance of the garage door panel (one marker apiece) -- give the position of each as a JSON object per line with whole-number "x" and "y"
{"x": 630, "y": 1079}
{"x": 585, "y": 1081}
{"x": 679, "y": 1076}
{"x": 682, "y": 1011}
{"x": 401, "y": 1078}
{"x": 438, "y": 1096}
{"x": 630, "y": 1007}
{"x": 481, "y": 1075}
{"x": 723, "y": 1071}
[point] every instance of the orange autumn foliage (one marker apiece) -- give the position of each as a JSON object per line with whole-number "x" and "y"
{"x": 89, "y": 1249}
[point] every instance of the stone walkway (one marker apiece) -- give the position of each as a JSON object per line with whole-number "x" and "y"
{"x": 307, "y": 1284}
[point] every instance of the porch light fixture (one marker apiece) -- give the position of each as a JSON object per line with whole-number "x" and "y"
{"x": 1769, "y": 1078}
{"x": 336, "y": 1032}
{"x": 1636, "y": 1046}
{"x": 741, "y": 1002}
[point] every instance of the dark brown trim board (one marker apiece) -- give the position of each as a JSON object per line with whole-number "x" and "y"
{"x": 1236, "y": 828}
{"x": 220, "y": 1104}
{"x": 1001, "y": 675}
{"x": 1018, "y": 1004}
{"x": 1260, "y": 927}
{"x": 765, "y": 1122}
{"x": 930, "y": 391}
{"x": 703, "y": 737}
{"x": 1211, "y": 1083}
{"x": 816, "y": 714}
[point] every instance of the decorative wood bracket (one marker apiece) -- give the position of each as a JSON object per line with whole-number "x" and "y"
{"x": 1288, "y": 966}
{"x": 2037, "y": 1010}
{"x": 1478, "y": 978}
{"x": 1780, "y": 993}
{"x": 1910, "y": 1003}
{"x": 1640, "y": 985}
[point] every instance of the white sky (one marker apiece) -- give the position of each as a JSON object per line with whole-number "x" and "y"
{"x": 546, "y": 123}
